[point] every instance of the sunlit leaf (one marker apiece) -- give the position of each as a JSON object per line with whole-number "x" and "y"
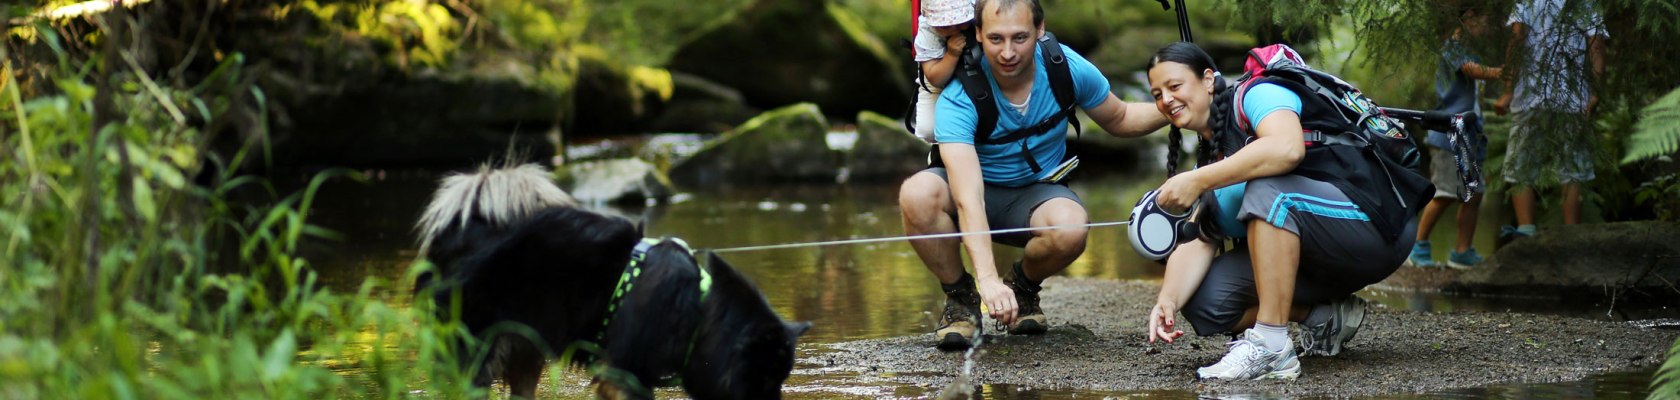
{"x": 143, "y": 200}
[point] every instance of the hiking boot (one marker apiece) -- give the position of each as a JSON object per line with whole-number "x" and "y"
{"x": 1249, "y": 359}
{"x": 1328, "y": 337}
{"x": 961, "y": 320}
{"x": 1465, "y": 260}
{"x": 1420, "y": 257}
{"x": 1029, "y": 319}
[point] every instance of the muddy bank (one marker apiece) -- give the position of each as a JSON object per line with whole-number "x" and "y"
{"x": 1095, "y": 342}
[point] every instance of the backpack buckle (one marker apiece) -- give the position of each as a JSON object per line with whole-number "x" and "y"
{"x": 1312, "y": 137}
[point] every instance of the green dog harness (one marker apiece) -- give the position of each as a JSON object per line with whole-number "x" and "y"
{"x": 627, "y": 282}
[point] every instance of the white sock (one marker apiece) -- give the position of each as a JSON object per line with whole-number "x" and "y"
{"x": 1274, "y": 337}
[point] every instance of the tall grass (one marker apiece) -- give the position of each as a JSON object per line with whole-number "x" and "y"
{"x": 129, "y": 270}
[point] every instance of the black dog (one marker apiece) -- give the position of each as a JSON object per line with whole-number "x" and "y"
{"x": 535, "y": 278}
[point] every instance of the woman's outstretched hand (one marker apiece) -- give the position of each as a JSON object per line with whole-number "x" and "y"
{"x": 1161, "y": 322}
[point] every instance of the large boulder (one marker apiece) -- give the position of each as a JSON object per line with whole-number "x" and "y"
{"x": 623, "y": 180}
{"x": 428, "y": 121}
{"x": 779, "y": 52}
{"x": 884, "y": 150}
{"x": 785, "y": 144}
{"x": 613, "y": 97}
{"x": 700, "y": 105}
{"x": 1585, "y": 260}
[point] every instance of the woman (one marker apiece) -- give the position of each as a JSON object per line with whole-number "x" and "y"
{"x": 1308, "y": 246}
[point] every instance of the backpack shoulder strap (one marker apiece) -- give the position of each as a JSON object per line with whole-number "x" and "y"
{"x": 979, "y": 91}
{"x": 1061, "y": 78}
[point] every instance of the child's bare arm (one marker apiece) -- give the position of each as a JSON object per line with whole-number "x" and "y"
{"x": 939, "y": 70}
{"x": 1481, "y": 72}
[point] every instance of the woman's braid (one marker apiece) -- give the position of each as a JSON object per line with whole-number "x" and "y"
{"x": 1218, "y": 120}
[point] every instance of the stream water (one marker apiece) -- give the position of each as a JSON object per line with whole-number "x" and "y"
{"x": 872, "y": 290}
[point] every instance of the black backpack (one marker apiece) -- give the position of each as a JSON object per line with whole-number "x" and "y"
{"x": 979, "y": 91}
{"x": 1353, "y": 144}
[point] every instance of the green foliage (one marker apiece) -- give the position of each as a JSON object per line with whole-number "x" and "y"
{"x": 127, "y": 270}
{"x": 418, "y": 33}
{"x": 538, "y": 25}
{"x": 648, "y": 32}
{"x": 1657, "y": 133}
{"x": 1665, "y": 385}
{"x": 1661, "y": 194}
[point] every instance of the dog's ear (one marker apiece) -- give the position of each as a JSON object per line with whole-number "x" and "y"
{"x": 716, "y": 262}
{"x": 797, "y": 329}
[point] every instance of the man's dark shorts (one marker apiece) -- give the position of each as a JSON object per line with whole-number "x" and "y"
{"x": 1012, "y": 207}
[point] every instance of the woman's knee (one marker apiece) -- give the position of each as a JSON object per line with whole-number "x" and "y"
{"x": 1207, "y": 317}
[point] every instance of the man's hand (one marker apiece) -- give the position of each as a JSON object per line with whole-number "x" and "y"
{"x": 1503, "y": 106}
{"x": 999, "y": 299}
{"x": 1161, "y": 322}
{"x": 1180, "y": 192}
{"x": 1592, "y": 104}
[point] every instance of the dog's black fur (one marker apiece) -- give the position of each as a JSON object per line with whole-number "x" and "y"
{"x": 540, "y": 284}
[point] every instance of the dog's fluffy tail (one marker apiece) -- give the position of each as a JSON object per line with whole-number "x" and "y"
{"x": 499, "y": 196}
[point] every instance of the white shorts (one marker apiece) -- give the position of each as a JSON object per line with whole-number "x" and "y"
{"x": 925, "y": 102}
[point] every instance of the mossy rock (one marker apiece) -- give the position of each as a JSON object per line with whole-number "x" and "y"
{"x": 884, "y": 150}
{"x": 779, "y": 52}
{"x": 700, "y": 105}
{"x": 1583, "y": 260}
{"x": 622, "y": 180}
{"x": 614, "y": 97}
{"x": 785, "y": 144}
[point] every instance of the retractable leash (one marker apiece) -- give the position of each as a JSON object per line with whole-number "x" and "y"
{"x": 913, "y": 237}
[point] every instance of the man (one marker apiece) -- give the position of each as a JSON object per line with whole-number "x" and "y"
{"x": 985, "y": 184}
{"x": 1551, "y": 133}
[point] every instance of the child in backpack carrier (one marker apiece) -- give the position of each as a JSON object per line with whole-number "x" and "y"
{"x": 938, "y": 46}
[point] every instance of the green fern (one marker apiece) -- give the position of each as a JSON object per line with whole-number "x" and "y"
{"x": 1666, "y": 384}
{"x": 1658, "y": 130}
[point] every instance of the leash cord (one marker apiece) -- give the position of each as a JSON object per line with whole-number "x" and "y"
{"x": 913, "y": 237}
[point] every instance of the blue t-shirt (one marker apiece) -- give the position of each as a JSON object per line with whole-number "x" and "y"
{"x": 1263, "y": 99}
{"x": 1002, "y": 163}
{"x": 1230, "y": 200}
{"x": 1260, "y": 101}
{"x": 1456, "y": 90}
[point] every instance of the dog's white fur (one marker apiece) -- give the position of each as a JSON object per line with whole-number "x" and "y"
{"x": 499, "y": 195}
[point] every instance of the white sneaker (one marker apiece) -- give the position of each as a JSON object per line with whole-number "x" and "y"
{"x": 1331, "y": 336}
{"x": 1249, "y": 359}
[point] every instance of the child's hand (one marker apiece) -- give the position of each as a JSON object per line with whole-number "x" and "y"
{"x": 955, "y": 43}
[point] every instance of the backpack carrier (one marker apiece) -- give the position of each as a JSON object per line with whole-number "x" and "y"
{"x": 1351, "y": 143}
{"x": 979, "y": 91}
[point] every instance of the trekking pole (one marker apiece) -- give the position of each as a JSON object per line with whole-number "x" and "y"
{"x": 1436, "y": 120}
{"x": 1183, "y": 20}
